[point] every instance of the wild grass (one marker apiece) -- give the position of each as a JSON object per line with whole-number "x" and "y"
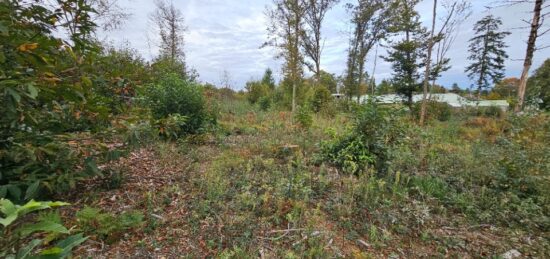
{"x": 258, "y": 185}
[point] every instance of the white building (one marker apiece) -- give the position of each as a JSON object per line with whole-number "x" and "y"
{"x": 453, "y": 100}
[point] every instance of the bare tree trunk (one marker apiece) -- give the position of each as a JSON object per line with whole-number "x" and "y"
{"x": 372, "y": 82}
{"x": 293, "y": 96}
{"x": 535, "y": 25}
{"x": 428, "y": 66}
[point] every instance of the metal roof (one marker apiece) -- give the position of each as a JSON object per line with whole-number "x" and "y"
{"x": 454, "y": 100}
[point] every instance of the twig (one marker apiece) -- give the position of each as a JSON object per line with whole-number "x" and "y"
{"x": 156, "y": 216}
{"x": 362, "y": 242}
{"x": 287, "y": 230}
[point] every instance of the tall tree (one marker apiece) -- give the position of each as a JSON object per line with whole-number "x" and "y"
{"x": 108, "y": 14}
{"x": 457, "y": 11}
{"x": 285, "y": 30}
{"x": 428, "y": 65}
{"x": 315, "y": 13}
{"x": 171, "y": 28}
{"x": 268, "y": 79}
{"x": 536, "y": 24}
{"x": 329, "y": 81}
{"x": 406, "y": 54}
{"x": 507, "y": 88}
{"x": 370, "y": 21}
{"x": 487, "y": 53}
{"x": 539, "y": 86}
{"x": 225, "y": 80}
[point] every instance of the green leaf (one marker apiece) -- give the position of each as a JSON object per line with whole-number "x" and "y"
{"x": 14, "y": 95}
{"x": 25, "y": 251}
{"x": 3, "y": 191}
{"x": 14, "y": 191}
{"x": 33, "y": 92}
{"x": 40, "y": 205}
{"x": 2, "y": 57}
{"x": 32, "y": 205}
{"x": 86, "y": 81}
{"x": 57, "y": 204}
{"x": 52, "y": 251}
{"x": 69, "y": 243}
{"x": 46, "y": 226}
{"x": 90, "y": 167}
{"x": 32, "y": 190}
{"x": 4, "y": 30}
{"x": 9, "y": 210}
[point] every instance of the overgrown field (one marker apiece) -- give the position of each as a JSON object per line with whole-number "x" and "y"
{"x": 261, "y": 185}
{"x": 104, "y": 154}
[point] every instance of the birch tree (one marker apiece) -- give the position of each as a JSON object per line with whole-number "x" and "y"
{"x": 315, "y": 13}
{"x": 285, "y": 30}
{"x": 370, "y": 21}
{"x": 456, "y": 13}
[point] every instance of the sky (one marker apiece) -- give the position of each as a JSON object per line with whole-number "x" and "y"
{"x": 226, "y": 35}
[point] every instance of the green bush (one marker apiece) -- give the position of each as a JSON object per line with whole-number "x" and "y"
{"x": 41, "y": 165}
{"x": 108, "y": 226}
{"x": 140, "y": 134}
{"x": 265, "y": 103}
{"x": 374, "y": 131}
{"x": 171, "y": 127}
{"x": 256, "y": 90}
{"x": 44, "y": 97}
{"x": 321, "y": 98}
{"x": 173, "y": 95}
{"x": 304, "y": 117}
{"x": 435, "y": 110}
{"x": 492, "y": 112}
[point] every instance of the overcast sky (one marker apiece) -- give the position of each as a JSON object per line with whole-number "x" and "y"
{"x": 227, "y": 35}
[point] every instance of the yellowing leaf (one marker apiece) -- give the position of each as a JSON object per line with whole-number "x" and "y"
{"x": 86, "y": 81}
{"x": 27, "y": 47}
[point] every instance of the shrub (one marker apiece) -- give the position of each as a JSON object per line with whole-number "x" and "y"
{"x": 140, "y": 134}
{"x": 171, "y": 127}
{"x": 108, "y": 226}
{"x": 435, "y": 110}
{"x": 41, "y": 164}
{"x": 493, "y": 112}
{"x": 321, "y": 98}
{"x": 303, "y": 117}
{"x": 172, "y": 95}
{"x": 265, "y": 103}
{"x": 256, "y": 90}
{"x": 44, "y": 98}
{"x": 375, "y": 129}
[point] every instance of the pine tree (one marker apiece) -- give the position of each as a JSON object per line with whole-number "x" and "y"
{"x": 268, "y": 79}
{"x": 407, "y": 54}
{"x": 171, "y": 28}
{"x": 487, "y": 53}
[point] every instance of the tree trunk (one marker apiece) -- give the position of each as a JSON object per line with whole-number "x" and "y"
{"x": 293, "y": 96}
{"x": 428, "y": 66}
{"x": 372, "y": 82}
{"x": 535, "y": 24}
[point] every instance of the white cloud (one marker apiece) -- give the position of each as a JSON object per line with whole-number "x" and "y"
{"x": 227, "y": 35}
